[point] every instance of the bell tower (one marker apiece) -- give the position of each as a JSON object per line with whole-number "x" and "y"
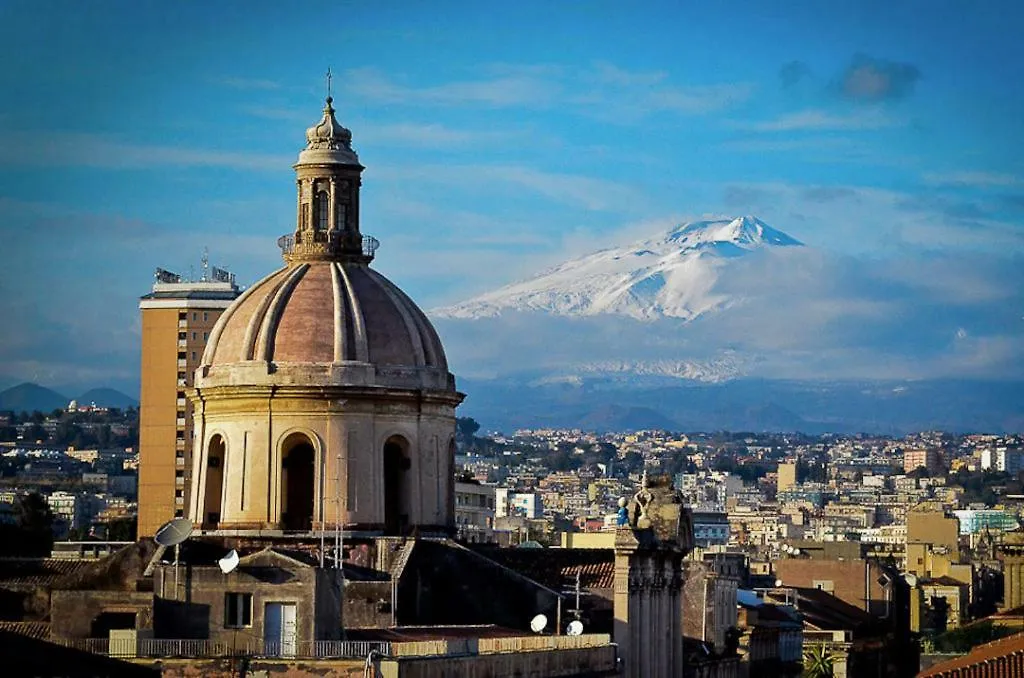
{"x": 328, "y": 177}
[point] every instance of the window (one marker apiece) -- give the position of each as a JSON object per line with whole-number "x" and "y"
{"x": 179, "y": 513}
{"x": 195, "y": 316}
{"x": 179, "y": 493}
{"x": 193, "y": 355}
{"x": 206, "y": 316}
{"x": 193, "y": 336}
{"x": 181, "y": 335}
{"x": 206, "y": 335}
{"x": 181, "y": 355}
{"x": 182, "y": 315}
{"x": 237, "y": 610}
{"x": 179, "y": 474}
{"x": 321, "y": 208}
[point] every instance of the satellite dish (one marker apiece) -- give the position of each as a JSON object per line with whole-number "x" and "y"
{"x": 575, "y": 628}
{"x": 173, "y": 532}
{"x": 228, "y": 562}
{"x": 538, "y": 623}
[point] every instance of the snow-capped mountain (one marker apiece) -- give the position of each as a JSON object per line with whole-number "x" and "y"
{"x": 670, "y": 275}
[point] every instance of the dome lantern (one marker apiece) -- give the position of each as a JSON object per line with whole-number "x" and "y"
{"x": 328, "y": 177}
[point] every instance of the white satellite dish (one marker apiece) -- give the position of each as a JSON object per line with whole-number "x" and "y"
{"x": 228, "y": 562}
{"x": 575, "y": 628}
{"x": 538, "y": 623}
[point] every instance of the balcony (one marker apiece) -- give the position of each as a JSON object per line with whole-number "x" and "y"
{"x": 325, "y": 241}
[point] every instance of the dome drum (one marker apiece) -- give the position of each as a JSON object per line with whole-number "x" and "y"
{"x": 292, "y": 464}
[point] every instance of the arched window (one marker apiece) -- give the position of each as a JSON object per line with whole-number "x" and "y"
{"x": 396, "y": 485}
{"x": 321, "y": 210}
{"x": 297, "y": 478}
{"x": 215, "y": 452}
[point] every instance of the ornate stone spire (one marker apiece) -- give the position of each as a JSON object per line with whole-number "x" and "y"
{"x": 328, "y": 177}
{"x": 329, "y": 136}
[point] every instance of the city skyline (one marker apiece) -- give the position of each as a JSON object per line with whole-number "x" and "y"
{"x": 501, "y": 141}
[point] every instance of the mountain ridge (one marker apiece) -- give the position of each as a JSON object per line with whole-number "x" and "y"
{"x": 671, "y": 274}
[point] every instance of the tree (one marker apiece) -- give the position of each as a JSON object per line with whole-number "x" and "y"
{"x": 35, "y": 522}
{"x": 34, "y": 432}
{"x": 818, "y": 662}
{"x": 467, "y": 427}
{"x": 122, "y": 529}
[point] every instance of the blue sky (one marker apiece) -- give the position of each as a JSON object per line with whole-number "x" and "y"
{"x": 498, "y": 139}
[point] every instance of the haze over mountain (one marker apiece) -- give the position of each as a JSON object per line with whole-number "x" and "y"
{"x": 731, "y": 323}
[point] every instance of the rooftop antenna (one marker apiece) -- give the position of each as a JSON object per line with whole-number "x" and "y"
{"x": 329, "y": 82}
{"x": 205, "y": 261}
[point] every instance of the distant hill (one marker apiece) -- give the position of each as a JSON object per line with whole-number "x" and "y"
{"x": 107, "y": 397}
{"x": 28, "y": 397}
{"x": 614, "y": 417}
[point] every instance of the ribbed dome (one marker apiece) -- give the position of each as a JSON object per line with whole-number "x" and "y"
{"x": 325, "y": 312}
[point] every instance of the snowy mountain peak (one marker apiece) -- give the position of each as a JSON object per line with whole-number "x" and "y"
{"x": 746, "y": 232}
{"x": 672, "y": 274}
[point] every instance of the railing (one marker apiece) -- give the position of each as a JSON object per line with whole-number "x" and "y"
{"x": 201, "y": 648}
{"x": 287, "y": 242}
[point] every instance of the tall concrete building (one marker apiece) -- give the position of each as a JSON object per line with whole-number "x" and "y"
{"x": 787, "y": 476}
{"x": 177, "y": 318}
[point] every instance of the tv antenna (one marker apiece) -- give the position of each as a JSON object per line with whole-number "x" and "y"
{"x": 539, "y": 623}
{"x": 173, "y": 533}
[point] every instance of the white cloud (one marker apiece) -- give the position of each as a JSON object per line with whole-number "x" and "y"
{"x": 249, "y": 83}
{"x": 62, "y": 149}
{"x": 870, "y": 119}
{"x": 604, "y": 91}
{"x": 974, "y": 179}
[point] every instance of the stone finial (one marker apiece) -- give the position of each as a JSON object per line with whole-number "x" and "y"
{"x": 329, "y": 134}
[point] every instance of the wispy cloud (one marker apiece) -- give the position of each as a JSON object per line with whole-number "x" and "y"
{"x": 93, "y": 150}
{"x": 604, "y": 90}
{"x": 571, "y": 189}
{"x": 870, "y": 79}
{"x": 974, "y": 179}
{"x": 503, "y": 91}
{"x": 820, "y": 120}
{"x": 248, "y": 83}
{"x": 761, "y": 145}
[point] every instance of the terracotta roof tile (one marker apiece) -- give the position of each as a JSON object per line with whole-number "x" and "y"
{"x": 998, "y": 648}
{"x": 31, "y": 629}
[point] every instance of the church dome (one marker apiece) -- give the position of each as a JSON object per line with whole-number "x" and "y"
{"x": 323, "y": 388}
{"x": 326, "y": 312}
